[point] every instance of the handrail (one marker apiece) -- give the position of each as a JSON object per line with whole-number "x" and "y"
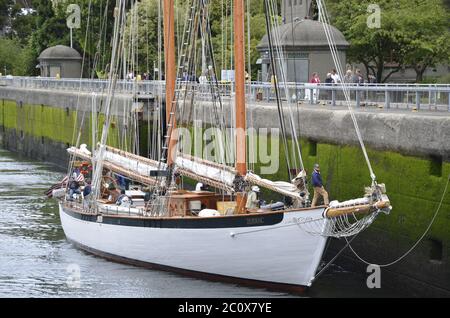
{"x": 410, "y": 95}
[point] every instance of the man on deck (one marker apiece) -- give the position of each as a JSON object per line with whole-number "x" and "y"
{"x": 319, "y": 190}
{"x": 252, "y": 199}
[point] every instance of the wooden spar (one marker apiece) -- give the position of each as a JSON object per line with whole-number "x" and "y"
{"x": 170, "y": 74}
{"x": 358, "y": 209}
{"x": 205, "y": 180}
{"x": 132, "y": 156}
{"x": 206, "y": 162}
{"x": 239, "y": 58}
{"x": 147, "y": 180}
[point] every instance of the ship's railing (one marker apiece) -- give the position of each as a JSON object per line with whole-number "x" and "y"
{"x": 434, "y": 97}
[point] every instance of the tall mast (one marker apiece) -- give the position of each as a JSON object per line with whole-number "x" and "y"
{"x": 170, "y": 72}
{"x": 239, "y": 58}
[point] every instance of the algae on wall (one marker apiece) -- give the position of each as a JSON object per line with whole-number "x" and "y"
{"x": 57, "y": 124}
{"x": 415, "y": 185}
{"x": 415, "y": 191}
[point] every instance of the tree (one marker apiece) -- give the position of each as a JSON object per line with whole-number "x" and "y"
{"x": 23, "y": 21}
{"x": 50, "y": 29}
{"x": 427, "y": 25}
{"x": 11, "y": 57}
{"x": 142, "y": 36}
{"x": 372, "y": 47}
{"x": 412, "y": 32}
{"x": 5, "y": 7}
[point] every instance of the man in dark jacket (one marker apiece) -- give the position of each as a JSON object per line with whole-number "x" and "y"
{"x": 319, "y": 190}
{"x": 74, "y": 187}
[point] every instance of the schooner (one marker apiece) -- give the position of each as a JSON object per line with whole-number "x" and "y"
{"x": 210, "y": 233}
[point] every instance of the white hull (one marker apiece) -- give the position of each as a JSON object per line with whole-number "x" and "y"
{"x": 278, "y": 254}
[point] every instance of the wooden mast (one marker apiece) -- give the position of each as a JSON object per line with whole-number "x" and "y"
{"x": 239, "y": 54}
{"x": 170, "y": 73}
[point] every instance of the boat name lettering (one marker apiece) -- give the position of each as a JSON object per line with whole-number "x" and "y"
{"x": 301, "y": 220}
{"x": 255, "y": 221}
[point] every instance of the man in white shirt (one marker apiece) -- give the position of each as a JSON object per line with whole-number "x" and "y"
{"x": 335, "y": 76}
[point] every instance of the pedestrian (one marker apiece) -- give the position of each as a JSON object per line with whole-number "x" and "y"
{"x": 319, "y": 190}
{"x": 315, "y": 80}
{"x": 335, "y": 76}
{"x": 348, "y": 78}
{"x": 358, "y": 79}
{"x": 329, "y": 81}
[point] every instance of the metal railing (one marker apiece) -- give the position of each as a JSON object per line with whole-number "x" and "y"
{"x": 402, "y": 96}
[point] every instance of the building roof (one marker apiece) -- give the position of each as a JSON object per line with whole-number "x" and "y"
{"x": 306, "y": 33}
{"x": 59, "y": 52}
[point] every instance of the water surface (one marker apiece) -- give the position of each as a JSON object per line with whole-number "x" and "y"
{"x": 37, "y": 261}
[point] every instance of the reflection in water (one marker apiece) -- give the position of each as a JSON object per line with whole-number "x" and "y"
{"x": 37, "y": 261}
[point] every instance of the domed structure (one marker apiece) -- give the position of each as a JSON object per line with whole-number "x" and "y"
{"x": 304, "y": 44}
{"x": 60, "y": 61}
{"x": 60, "y": 52}
{"x": 306, "y": 34}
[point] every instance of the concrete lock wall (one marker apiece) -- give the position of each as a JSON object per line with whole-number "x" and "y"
{"x": 410, "y": 153}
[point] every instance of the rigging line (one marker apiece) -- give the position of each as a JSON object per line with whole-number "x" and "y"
{"x": 296, "y": 146}
{"x": 214, "y": 83}
{"x": 333, "y": 259}
{"x": 222, "y": 38}
{"x": 249, "y": 54}
{"x": 70, "y": 167}
{"x": 330, "y": 38}
{"x": 189, "y": 23}
{"x": 81, "y": 75}
{"x": 280, "y": 112}
{"x": 418, "y": 241}
{"x": 115, "y": 62}
{"x": 225, "y": 59}
{"x": 295, "y": 81}
{"x": 232, "y": 66}
{"x": 280, "y": 53}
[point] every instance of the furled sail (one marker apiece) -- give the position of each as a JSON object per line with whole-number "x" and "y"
{"x": 211, "y": 173}
{"x": 124, "y": 163}
{"x": 282, "y": 187}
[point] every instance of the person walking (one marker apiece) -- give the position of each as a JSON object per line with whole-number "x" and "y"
{"x": 319, "y": 190}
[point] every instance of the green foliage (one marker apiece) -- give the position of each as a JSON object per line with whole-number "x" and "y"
{"x": 427, "y": 28}
{"x": 5, "y": 6}
{"x": 412, "y": 32}
{"x": 142, "y": 36}
{"x": 13, "y": 57}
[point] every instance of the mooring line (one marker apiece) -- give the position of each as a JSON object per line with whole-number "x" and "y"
{"x": 418, "y": 241}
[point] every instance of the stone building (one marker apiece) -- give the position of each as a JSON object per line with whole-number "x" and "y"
{"x": 303, "y": 43}
{"x": 61, "y": 61}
